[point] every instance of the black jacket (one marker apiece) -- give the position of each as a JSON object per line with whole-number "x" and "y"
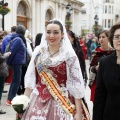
{"x": 107, "y": 95}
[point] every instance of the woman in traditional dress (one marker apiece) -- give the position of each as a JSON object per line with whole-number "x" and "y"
{"x": 101, "y": 51}
{"x": 54, "y": 77}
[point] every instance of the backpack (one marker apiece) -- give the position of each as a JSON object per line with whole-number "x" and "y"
{"x": 7, "y": 49}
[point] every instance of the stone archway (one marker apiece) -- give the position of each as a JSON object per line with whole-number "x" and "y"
{"x": 22, "y": 14}
{"x": 48, "y": 16}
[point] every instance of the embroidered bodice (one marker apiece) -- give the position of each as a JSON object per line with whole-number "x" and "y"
{"x": 59, "y": 73}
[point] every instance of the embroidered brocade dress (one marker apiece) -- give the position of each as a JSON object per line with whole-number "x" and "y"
{"x": 42, "y": 105}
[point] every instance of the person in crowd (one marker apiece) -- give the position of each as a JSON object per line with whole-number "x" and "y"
{"x": 1, "y": 38}
{"x": 93, "y": 45}
{"x": 88, "y": 43}
{"x": 84, "y": 48}
{"x": 78, "y": 50}
{"x": 2, "y": 34}
{"x": 38, "y": 39}
{"x": 107, "y": 94}
{"x": 4, "y": 72}
{"x": 6, "y": 32}
{"x": 101, "y": 51}
{"x": 16, "y": 60}
{"x": 7, "y": 39}
{"x": 29, "y": 42}
{"x": 62, "y": 67}
{"x": 24, "y": 66}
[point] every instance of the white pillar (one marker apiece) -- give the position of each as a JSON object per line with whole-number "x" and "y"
{"x": 42, "y": 14}
{"x": 56, "y": 10}
{"x": 38, "y": 13}
{"x": 73, "y": 20}
{"x": 33, "y": 18}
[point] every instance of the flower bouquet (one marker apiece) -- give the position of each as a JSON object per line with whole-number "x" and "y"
{"x": 20, "y": 104}
{"x": 4, "y": 10}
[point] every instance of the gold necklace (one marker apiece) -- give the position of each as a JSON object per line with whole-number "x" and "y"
{"x": 52, "y": 54}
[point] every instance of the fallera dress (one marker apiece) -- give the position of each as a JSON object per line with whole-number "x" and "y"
{"x": 69, "y": 77}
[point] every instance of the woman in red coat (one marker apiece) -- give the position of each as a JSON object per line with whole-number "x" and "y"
{"x": 101, "y": 51}
{"x": 84, "y": 48}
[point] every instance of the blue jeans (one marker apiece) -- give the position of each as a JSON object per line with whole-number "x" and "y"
{"x": 16, "y": 79}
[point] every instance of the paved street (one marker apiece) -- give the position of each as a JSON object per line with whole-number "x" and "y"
{"x": 10, "y": 115}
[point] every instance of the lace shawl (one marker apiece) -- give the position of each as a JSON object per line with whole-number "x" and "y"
{"x": 74, "y": 84}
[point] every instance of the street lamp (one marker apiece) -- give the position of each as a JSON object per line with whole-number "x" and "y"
{"x": 96, "y": 19}
{"x": 69, "y": 10}
{"x": 4, "y": 10}
{"x": 96, "y": 25}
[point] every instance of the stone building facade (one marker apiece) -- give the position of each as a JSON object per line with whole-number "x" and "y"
{"x": 34, "y": 13}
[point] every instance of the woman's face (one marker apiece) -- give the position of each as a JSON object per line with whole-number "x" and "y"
{"x": 70, "y": 38}
{"x": 53, "y": 34}
{"x": 116, "y": 40}
{"x": 103, "y": 39}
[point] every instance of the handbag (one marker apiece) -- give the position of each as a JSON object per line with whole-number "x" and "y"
{"x": 4, "y": 71}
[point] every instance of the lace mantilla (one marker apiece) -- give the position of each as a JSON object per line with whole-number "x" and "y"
{"x": 75, "y": 84}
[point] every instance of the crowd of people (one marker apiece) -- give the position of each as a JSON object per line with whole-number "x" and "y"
{"x": 60, "y": 55}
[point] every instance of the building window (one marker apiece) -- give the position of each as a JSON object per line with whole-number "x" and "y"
{"x": 105, "y": 9}
{"x": 105, "y": 23}
{"x": 21, "y": 10}
{"x": 48, "y": 15}
{"x": 108, "y": 23}
{"x": 83, "y": 11}
{"x": 109, "y": 9}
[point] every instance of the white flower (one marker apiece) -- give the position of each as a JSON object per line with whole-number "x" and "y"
{"x": 22, "y": 99}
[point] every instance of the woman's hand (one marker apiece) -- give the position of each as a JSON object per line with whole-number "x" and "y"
{"x": 78, "y": 106}
{"x": 77, "y": 116}
{"x": 7, "y": 54}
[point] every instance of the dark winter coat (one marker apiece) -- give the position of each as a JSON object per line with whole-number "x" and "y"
{"x": 107, "y": 94}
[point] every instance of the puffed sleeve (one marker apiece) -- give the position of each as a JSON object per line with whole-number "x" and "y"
{"x": 75, "y": 83}
{"x": 30, "y": 76}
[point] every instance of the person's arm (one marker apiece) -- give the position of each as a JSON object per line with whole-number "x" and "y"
{"x": 30, "y": 76}
{"x": 75, "y": 84}
{"x": 3, "y": 46}
{"x": 100, "y": 94}
{"x": 14, "y": 47}
{"x": 78, "y": 114}
{"x": 27, "y": 91}
{"x": 4, "y": 56}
